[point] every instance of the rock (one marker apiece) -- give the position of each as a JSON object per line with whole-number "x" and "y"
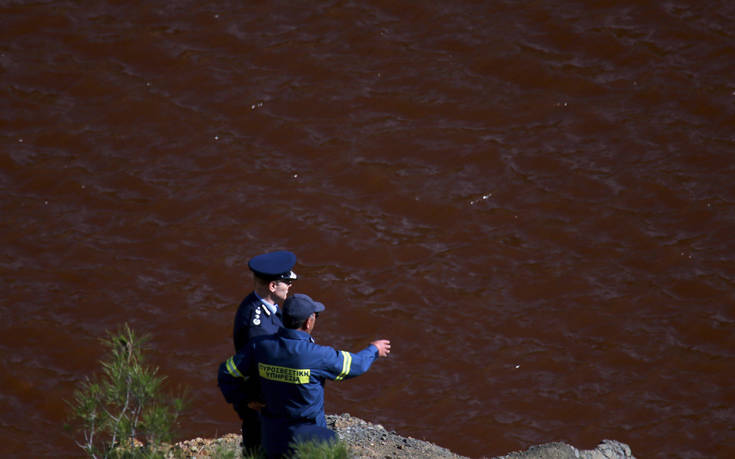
{"x": 368, "y": 440}
{"x": 608, "y": 449}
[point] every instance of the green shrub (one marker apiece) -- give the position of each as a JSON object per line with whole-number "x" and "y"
{"x": 123, "y": 413}
{"x": 224, "y": 453}
{"x": 321, "y": 450}
{"x": 311, "y": 450}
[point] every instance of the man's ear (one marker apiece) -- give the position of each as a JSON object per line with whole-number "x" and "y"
{"x": 272, "y": 286}
{"x": 310, "y": 322}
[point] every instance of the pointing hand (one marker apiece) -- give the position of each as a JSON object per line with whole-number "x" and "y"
{"x": 383, "y": 346}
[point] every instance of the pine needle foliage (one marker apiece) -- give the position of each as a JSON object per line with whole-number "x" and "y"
{"x": 123, "y": 412}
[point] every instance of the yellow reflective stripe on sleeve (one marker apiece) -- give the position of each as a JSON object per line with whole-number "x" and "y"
{"x": 346, "y": 365}
{"x": 232, "y": 369}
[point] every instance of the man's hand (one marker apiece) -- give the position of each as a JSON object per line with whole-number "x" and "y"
{"x": 383, "y": 346}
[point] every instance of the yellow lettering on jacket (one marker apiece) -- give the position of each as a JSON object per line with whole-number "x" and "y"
{"x": 284, "y": 374}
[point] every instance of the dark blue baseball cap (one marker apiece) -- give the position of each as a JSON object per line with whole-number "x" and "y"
{"x": 300, "y": 307}
{"x": 274, "y": 265}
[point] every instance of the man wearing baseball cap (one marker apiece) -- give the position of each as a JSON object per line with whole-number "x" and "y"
{"x": 291, "y": 370}
{"x": 258, "y": 315}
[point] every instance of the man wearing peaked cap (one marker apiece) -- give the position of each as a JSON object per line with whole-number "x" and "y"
{"x": 257, "y": 315}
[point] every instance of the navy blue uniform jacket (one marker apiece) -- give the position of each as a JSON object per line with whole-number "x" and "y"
{"x": 291, "y": 370}
{"x": 254, "y": 319}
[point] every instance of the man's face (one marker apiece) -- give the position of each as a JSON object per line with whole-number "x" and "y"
{"x": 280, "y": 290}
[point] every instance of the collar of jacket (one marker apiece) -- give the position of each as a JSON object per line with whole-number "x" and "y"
{"x": 293, "y": 334}
{"x": 267, "y": 307}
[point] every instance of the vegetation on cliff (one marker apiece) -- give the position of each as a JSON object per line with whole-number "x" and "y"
{"x": 124, "y": 412}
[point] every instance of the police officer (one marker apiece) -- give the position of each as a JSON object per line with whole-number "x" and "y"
{"x": 292, "y": 370}
{"x": 258, "y": 315}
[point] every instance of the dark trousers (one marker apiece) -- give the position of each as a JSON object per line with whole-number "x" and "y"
{"x": 279, "y": 434}
{"x": 251, "y": 430}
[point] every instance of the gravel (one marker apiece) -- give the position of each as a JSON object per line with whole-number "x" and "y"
{"x": 366, "y": 440}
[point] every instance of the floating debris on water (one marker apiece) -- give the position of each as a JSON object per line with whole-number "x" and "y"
{"x": 482, "y": 198}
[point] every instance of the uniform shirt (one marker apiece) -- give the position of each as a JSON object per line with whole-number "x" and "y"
{"x": 292, "y": 370}
{"x": 254, "y": 317}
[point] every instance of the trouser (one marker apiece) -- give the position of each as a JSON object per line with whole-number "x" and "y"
{"x": 251, "y": 429}
{"x": 279, "y": 434}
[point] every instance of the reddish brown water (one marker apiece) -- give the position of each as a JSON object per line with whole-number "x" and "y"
{"x": 535, "y": 201}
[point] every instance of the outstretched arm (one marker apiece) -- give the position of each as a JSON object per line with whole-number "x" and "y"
{"x": 346, "y": 365}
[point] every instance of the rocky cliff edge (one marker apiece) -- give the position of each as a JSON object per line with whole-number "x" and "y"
{"x": 367, "y": 440}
